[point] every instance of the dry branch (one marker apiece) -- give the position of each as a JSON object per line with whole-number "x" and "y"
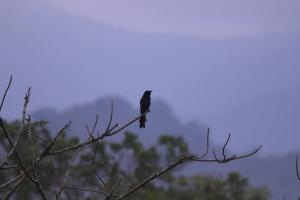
{"x": 297, "y": 170}
{"x": 31, "y": 172}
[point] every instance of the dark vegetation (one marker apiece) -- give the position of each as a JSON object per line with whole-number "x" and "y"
{"x": 36, "y": 164}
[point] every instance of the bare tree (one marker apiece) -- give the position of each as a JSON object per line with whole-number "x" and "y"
{"x": 14, "y": 160}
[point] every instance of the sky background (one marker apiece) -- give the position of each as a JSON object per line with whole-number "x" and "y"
{"x": 232, "y": 65}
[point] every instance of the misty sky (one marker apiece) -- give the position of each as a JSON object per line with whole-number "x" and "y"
{"x": 209, "y": 19}
{"x": 227, "y": 64}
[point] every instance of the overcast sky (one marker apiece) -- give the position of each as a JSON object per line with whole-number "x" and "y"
{"x": 207, "y": 59}
{"x": 203, "y": 18}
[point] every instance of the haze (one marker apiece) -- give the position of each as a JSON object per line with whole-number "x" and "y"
{"x": 233, "y": 65}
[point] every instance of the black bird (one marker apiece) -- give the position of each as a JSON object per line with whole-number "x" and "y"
{"x": 144, "y": 107}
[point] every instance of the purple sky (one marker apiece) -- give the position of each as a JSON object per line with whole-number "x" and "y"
{"x": 209, "y": 19}
{"x": 210, "y": 60}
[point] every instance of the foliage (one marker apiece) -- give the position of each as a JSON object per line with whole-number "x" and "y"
{"x": 99, "y": 166}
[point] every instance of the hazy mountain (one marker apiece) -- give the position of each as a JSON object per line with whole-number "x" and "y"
{"x": 69, "y": 59}
{"x": 275, "y": 172}
{"x": 248, "y": 86}
{"x": 161, "y": 120}
{"x": 271, "y": 120}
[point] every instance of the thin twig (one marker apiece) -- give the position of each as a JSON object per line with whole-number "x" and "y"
{"x": 234, "y": 157}
{"x": 50, "y": 145}
{"x": 157, "y": 174}
{"x": 207, "y": 145}
{"x": 111, "y": 116}
{"x": 99, "y": 178}
{"x": 116, "y": 185}
{"x": 14, "y": 149}
{"x": 76, "y": 146}
{"x": 224, "y": 147}
{"x": 26, "y": 101}
{"x": 12, "y": 190}
{"x": 8, "y": 167}
{"x": 297, "y": 170}
{"x": 66, "y": 175}
{"x": 6, "y": 184}
{"x": 85, "y": 189}
{"x": 38, "y": 184}
{"x": 91, "y": 134}
{"x": 5, "y": 93}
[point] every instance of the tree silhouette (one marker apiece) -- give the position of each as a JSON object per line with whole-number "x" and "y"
{"x": 37, "y": 164}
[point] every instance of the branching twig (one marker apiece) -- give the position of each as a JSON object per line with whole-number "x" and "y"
{"x": 116, "y": 185}
{"x": 111, "y": 130}
{"x": 12, "y": 190}
{"x": 50, "y": 145}
{"x": 66, "y": 175}
{"x": 26, "y": 101}
{"x": 157, "y": 174}
{"x": 91, "y": 133}
{"x": 7, "y": 167}
{"x": 38, "y": 184}
{"x": 6, "y": 184}
{"x": 187, "y": 158}
{"x": 110, "y": 116}
{"x": 225, "y": 158}
{"x": 76, "y": 146}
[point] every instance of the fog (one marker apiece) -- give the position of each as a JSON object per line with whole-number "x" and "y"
{"x": 233, "y": 67}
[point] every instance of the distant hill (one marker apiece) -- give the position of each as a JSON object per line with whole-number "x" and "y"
{"x": 69, "y": 59}
{"x": 271, "y": 119}
{"x": 161, "y": 120}
{"x": 275, "y": 172}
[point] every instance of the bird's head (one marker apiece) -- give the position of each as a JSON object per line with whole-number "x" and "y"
{"x": 148, "y": 92}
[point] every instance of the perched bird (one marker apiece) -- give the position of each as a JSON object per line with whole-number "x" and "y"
{"x": 144, "y": 107}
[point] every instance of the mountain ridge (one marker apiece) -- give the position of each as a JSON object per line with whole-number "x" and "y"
{"x": 161, "y": 120}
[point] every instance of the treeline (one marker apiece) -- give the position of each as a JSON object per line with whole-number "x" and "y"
{"x": 113, "y": 167}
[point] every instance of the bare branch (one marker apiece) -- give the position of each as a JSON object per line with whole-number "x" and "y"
{"x": 91, "y": 133}
{"x": 38, "y": 184}
{"x": 297, "y": 170}
{"x": 13, "y": 150}
{"x": 70, "y": 148}
{"x": 50, "y": 145}
{"x": 14, "y": 146}
{"x": 99, "y": 178}
{"x": 26, "y": 101}
{"x": 224, "y": 147}
{"x": 85, "y": 189}
{"x": 228, "y": 159}
{"x": 207, "y": 145}
{"x": 7, "y": 167}
{"x": 125, "y": 126}
{"x": 95, "y": 151}
{"x": 157, "y": 174}
{"x": 66, "y": 175}
{"x": 32, "y": 173}
{"x": 116, "y": 185}
{"x": 6, "y": 184}
{"x": 110, "y": 117}
{"x": 186, "y": 158}
{"x": 5, "y": 93}
{"x": 12, "y": 190}
{"x": 95, "y": 124}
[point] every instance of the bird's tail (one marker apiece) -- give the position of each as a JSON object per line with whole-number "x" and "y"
{"x": 142, "y": 121}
